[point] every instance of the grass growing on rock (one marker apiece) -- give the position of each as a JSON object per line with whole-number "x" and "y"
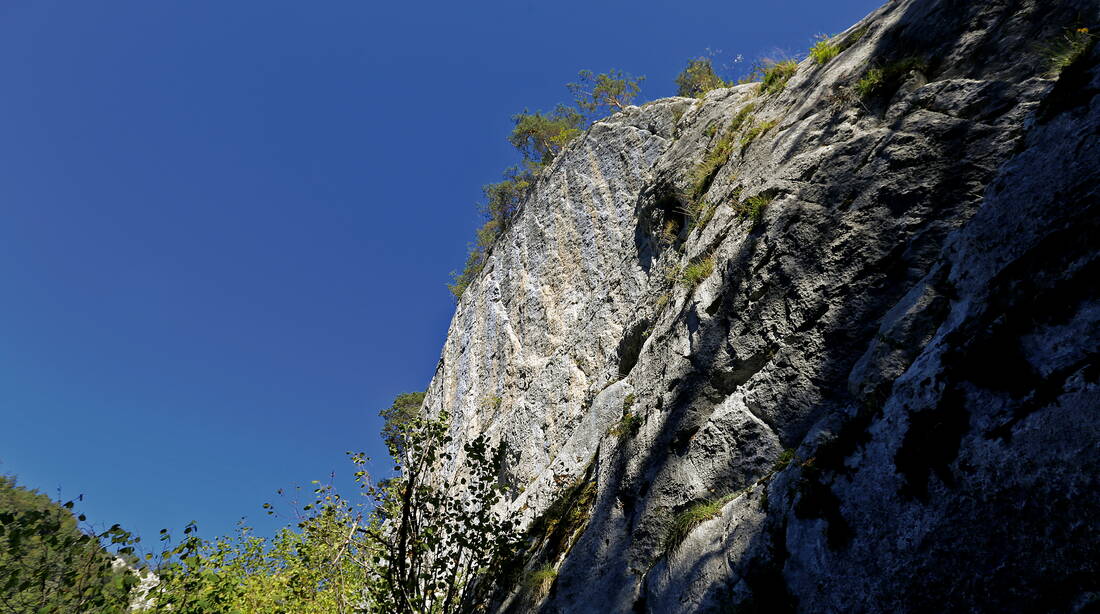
{"x": 886, "y": 78}
{"x": 719, "y": 154}
{"x": 757, "y": 131}
{"x": 824, "y": 50}
{"x": 686, "y": 521}
{"x": 694, "y": 273}
{"x": 776, "y": 77}
{"x": 753, "y": 207}
{"x": 538, "y": 582}
{"x": 1067, "y": 49}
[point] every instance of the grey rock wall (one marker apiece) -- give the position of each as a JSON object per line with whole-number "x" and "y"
{"x": 915, "y": 313}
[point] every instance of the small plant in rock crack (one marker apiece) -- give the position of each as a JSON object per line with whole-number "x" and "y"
{"x": 539, "y": 581}
{"x": 887, "y": 78}
{"x": 776, "y": 76}
{"x": 695, "y": 515}
{"x": 628, "y": 427}
{"x": 824, "y": 50}
{"x": 1067, "y": 48}
{"x": 758, "y": 130}
{"x": 694, "y": 273}
{"x": 753, "y": 207}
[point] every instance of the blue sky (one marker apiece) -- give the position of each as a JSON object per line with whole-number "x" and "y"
{"x": 225, "y": 227}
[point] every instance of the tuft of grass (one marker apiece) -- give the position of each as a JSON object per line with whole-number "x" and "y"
{"x": 870, "y": 82}
{"x": 785, "y": 458}
{"x": 889, "y": 76}
{"x": 628, "y": 427}
{"x": 853, "y": 38}
{"x": 753, "y": 207}
{"x": 756, "y": 131}
{"x": 699, "y": 214}
{"x": 663, "y": 300}
{"x": 687, "y": 520}
{"x": 1067, "y": 49}
{"x": 824, "y": 50}
{"x": 703, "y": 175}
{"x": 776, "y": 77}
{"x": 742, "y": 116}
{"x": 628, "y": 401}
{"x": 539, "y": 581}
{"x": 694, "y": 273}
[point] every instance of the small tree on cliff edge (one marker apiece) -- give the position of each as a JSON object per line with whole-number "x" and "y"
{"x": 698, "y": 78}
{"x": 607, "y": 92}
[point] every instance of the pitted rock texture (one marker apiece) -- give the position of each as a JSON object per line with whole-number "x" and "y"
{"x": 915, "y": 312}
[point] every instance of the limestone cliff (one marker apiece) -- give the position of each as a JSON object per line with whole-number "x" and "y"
{"x": 904, "y": 292}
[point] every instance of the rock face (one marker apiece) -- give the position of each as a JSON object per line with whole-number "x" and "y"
{"x": 903, "y": 295}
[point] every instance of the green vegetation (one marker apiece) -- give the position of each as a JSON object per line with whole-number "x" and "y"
{"x": 411, "y": 543}
{"x": 1066, "y": 49}
{"x": 753, "y": 207}
{"x": 540, "y": 138}
{"x": 554, "y": 532}
{"x": 628, "y": 427}
{"x": 776, "y": 75}
{"x": 538, "y": 582}
{"x": 698, "y": 79}
{"x": 889, "y": 77}
{"x": 758, "y": 130}
{"x": 853, "y": 38}
{"x": 49, "y": 564}
{"x": 871, "y": 81}
{"x": 718, "y": 155}
{"x": 785, "y": 458}
{"x": 605, "y": 92}
{"x": 700, "y": 213}
{"x": 492, "y": 402}
{"x": 397, "y": 417}
{"x": 695, "y": 515}
{"x": 694, "y": 273}
{"x": 628, "y": 402}
{"x": 824, "y": 50}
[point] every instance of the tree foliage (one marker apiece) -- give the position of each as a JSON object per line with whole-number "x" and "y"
{"x": 541, "y": 136}
{"x": 698, "y": 78}
{"x": 427, "y": 541}
{"x": 397, "y": 416}
{"x": 605, "y": 92}
{"x": 49, "y": 564}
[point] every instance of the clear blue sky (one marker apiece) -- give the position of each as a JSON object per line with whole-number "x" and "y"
{"x": 226, "y": 226}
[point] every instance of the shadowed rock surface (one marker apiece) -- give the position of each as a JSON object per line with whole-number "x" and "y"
{"x": 915, "y": 311}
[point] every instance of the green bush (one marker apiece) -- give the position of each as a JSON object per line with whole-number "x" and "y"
{"x": 871, "y": 81}
{"x": 824, "y": 50}
{"x": 784, "y": 459}
{"x": 50, "y": 564}
{"x": 698, "y": 79}
{"x": 700, "y": 214}
{"x": 628, "y": 426}
{"x": 719, "y": 153}
{"x": 540, "y": 137}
